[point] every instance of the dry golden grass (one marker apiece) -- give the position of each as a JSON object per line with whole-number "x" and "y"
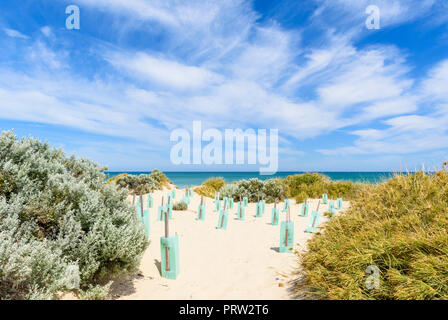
{"x": 400, "y": 226}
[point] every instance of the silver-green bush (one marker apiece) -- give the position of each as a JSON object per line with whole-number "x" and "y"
{"x": 255, "y": 189}
{"x": 61, "y": 226}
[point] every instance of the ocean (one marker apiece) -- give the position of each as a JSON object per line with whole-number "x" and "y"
{"x": 184, "y": 179}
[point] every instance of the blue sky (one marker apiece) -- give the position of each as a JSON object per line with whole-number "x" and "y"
{"x": 344, "y": 98}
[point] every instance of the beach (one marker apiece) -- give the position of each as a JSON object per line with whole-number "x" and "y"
{"x": 241, "y": 262}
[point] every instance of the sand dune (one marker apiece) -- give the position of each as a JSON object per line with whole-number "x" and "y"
{"x": 241, "y": 262}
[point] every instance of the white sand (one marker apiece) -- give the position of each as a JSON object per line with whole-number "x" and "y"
{"x": 241, "y": 262}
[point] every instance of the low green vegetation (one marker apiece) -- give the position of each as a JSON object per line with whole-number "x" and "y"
{"x": 141, "y": 184}
{"x": 180, "y": 206}
{"x": 400, "y": 227}
{"x": 299, "y": 186}
{"x": 62, "y": 228}
{"x": 255, "y": 189}
{"x": 210, "y": 187}
{"x": 313, "y": 185}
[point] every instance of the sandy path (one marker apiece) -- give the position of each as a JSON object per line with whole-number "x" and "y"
{"x": 241, "y": 262}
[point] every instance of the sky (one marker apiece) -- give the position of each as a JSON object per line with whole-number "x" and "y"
{"x": 342, "y": 96}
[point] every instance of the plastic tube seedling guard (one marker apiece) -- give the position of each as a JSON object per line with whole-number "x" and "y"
{"x": 314, "y": 220}
{"x": 331, "y": 208}
{"x": 275, "y": 217}
{"x": 169, "y": 206}
{"x": 324, "y": 198}
{"x": 186, "y": 198}
{"x": 223, "y": 218}
{"x": 305, "y": 209}
{"x": 146, "y": 221}
{"x": 190, "y": 192}
{"x": 169, "y": 247}
{"x": 286, "y": 205}
{"x": 240, "y": 210}
{"x": 258, "y": 208}
{"x": 217, "y": 204}
{"x": 201, "y": 209}
{"x": 246, "y": 201}
{"x": 150, "y": 200}
{"x": 339, "y": 203}
{"x": 287, "y": 234}
{"x": 140, "y": 203}
{"x": 160, "y": 211}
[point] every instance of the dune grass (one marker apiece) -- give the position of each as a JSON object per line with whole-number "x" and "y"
{"x": 399, "y": 226}
{"x": 210, "y": 187}
{"x": 313, "y": 185}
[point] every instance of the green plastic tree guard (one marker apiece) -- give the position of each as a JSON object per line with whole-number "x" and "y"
{"x": 314, "y": 222}
{"x": 169, "y": 207}
{"x": 245, "y": 201}
{"x": 186, "y": 199}
{"x": 263, "y": 206}
{"x": 286, "y": 205}
{"x": 225, "y": 202}
{"x": 223, "y": 218}
{"x": 331, "y": 208}
{"x": 218, "y": 205}
{"x": 305, "y": 209}
{"x": 217, "y": 197}
{"x": 275, "y": 218}
{"x": 170, "y": 256}
{"x": 259, "y": 209}
{"x": 241, "y": 211}
{"x": 286, "y": 236}
{"x": 140, "y": 211}
{"x": 150, "y": 200}
{"x": 160, "y": 211}
{"x": 324, "y": 198}
{"x": 339, "y": 203}
{"x": 146, "y": 221}
{"x": 201, "y": 212}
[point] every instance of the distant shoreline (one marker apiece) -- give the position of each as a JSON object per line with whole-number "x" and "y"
{"x": 195, "y": 178}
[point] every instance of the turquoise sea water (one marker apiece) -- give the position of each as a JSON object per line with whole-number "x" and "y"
{"x": 183, "y": 179}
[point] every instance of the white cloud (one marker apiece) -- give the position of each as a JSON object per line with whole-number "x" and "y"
{"x": 410, "y": 133}
{"x": 351, "y": 14}
{"x": 162, "y": 71}
{"x": 46, "y": 31}
{"x": 435, "y": 86}
{"x": 222, "y": 66}
{"x": 15, "y": 34}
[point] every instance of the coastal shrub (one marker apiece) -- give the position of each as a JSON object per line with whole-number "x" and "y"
{"x": 161, "y": 179}
{"x": 180, "y": 206}
{"x": 61, "y": 226}
{"x": 400, "y": 227}
{"x": 255, "y": 189}
{"x": 313, "y": 185}
{"x": 210, "y": 187}
{"x": 229, "y": 190}
{"x": 141, "y": 184}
